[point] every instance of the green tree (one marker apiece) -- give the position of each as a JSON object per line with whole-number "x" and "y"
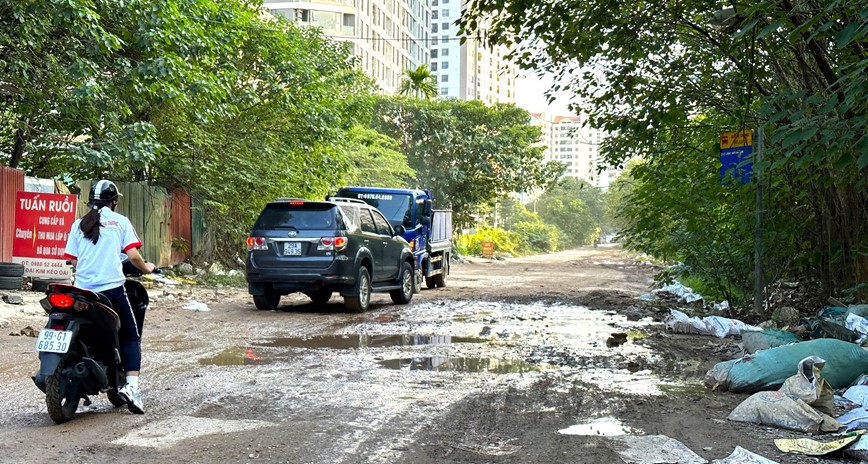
{"x": 576, "y": 208}
{"x": 469, "y": 154}
{"x": 375, "y": 160}
{"x": 651, "y": 71}
{"x": 419, "y": 83}
{"x": 203, "y": 94}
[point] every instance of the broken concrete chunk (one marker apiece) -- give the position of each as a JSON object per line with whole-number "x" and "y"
{"x": 12, "y": 298}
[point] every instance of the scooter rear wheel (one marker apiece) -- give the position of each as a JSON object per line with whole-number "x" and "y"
{"x": 115, "y": 398}
{"x": 60, "y": 408}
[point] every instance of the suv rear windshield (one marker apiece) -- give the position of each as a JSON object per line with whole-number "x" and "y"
{"x": 395, "y": 206}
{"x": 310, "y": 216}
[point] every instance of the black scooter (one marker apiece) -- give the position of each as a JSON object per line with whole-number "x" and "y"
{"x": 78, "y": 348}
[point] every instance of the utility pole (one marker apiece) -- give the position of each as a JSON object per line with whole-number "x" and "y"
{"x": 758, "y": 297}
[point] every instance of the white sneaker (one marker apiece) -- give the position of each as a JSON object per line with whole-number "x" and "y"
{"x": 133, "y": 397}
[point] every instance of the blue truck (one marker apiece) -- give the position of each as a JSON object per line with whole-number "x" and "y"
{"x": 428, "y": 231}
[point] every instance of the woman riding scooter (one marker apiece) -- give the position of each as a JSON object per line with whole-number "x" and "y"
{"x": 94, "y": 247}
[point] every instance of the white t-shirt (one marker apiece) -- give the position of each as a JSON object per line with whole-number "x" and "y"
{"x": 99, "y": 265}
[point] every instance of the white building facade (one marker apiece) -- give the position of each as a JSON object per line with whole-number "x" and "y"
{"x": 388, "y": 36}
{"x": 576, "y": 146}
{"x": 468, "y": 71}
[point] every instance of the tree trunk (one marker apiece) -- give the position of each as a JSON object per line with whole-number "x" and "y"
{"x": 18, "y": 147}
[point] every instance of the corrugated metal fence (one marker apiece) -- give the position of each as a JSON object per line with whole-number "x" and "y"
{"x": 162, "y": 219}
{"x": 11, "y": 182}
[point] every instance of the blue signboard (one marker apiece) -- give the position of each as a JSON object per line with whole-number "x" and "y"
{"x": 736, "y": 157}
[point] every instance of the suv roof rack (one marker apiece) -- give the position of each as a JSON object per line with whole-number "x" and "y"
{"x": 346, "y": 200}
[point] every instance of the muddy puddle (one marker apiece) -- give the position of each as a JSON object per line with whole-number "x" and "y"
{"x": 604, "y": 426}
{"x": 344, "y": 342}
{"x": 454, "y": 364}
{"x": 600, "y": 347}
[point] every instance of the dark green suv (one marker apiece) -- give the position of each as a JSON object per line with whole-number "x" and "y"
{"x": 321, "y": 247}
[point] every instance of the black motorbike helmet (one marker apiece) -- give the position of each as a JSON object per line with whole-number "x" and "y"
{"x": 103, "y": 190}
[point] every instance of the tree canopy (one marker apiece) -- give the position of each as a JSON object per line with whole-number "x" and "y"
{"x": 468, "y": 153}
{"x": 213, "y": 96}
{"x": 666, "y": 77}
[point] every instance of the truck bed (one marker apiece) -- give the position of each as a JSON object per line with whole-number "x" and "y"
{"x": 441, "y": 228}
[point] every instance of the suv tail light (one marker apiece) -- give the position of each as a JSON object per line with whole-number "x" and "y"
{"x": 256, "y": 243}
{"x": 332, "y": 243}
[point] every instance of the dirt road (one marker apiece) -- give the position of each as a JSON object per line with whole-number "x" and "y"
{"x": 514, "y": 361}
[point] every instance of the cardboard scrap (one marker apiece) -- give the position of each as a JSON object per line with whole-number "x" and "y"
{"x": 814, "y": 447}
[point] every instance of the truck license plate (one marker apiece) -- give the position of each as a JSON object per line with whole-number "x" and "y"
{"x": 53, "y": 341}
{"x": 292, "y": 249}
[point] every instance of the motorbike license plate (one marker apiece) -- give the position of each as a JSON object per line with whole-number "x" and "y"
{"x": 292, "y": 249}
{"x": 53, "y": 341}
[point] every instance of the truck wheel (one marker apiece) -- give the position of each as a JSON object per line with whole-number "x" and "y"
{"x": 404, "y": 294}
{"x": 266, "y": 302}
{"x": 358, "y": 303}
{"x": 440, "y": 279}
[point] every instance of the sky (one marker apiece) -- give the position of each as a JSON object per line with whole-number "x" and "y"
{"x": 529, "y": 95}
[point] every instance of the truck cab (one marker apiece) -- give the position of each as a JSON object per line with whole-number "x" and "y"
{"x": 428, "y": 231}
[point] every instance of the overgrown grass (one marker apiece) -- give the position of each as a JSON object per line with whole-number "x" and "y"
{"x": 214, "y": 280}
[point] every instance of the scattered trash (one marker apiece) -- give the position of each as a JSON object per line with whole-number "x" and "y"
{"x": 654, "y": 449}
{"x": 29, "y": 332}
{"x": 859, "y": 310}
{"x": 808, "y": 386}
{"x": 804, "y": 403}
{"x": 743, "y": 456}
{"x": 617, "y": 339}
{"x": 185, "y": 268}
{"x": 720, "y": 327}
{"x": 858, "y": 450}
{"x": 778, "y": 409}
{"x": 721, "y": 307}
{"x": 855, "y": 419}
{"x": 857, "y": 394}
{"x": 768, "y": 369}
{"x": 234, "y": 272}
{"x": 683, "y": 293}
{"x": 166, "y": 280}
{"x": 785, "y": 316}
{"x": 857, "y": 324}
{"x": 814, "y": 447}
{"x": 831, "y": 323}
{"x": 4, "y": 323}
{"x": 753, "y": 341}
{"x": 197, "y": 306}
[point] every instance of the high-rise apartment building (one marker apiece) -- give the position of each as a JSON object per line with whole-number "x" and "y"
{"x": 388, "y": 36}
{"x": 576, "y": 146}
{"x": 468, "y": 71}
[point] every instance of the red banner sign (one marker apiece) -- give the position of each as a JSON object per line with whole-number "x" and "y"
{"x": 42, "y": 224}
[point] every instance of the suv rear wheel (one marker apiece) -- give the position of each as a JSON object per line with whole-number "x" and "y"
{"x": 361, "y": 293}
{"x": 266, "y": 302}
{"x": 404, "y": 294}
